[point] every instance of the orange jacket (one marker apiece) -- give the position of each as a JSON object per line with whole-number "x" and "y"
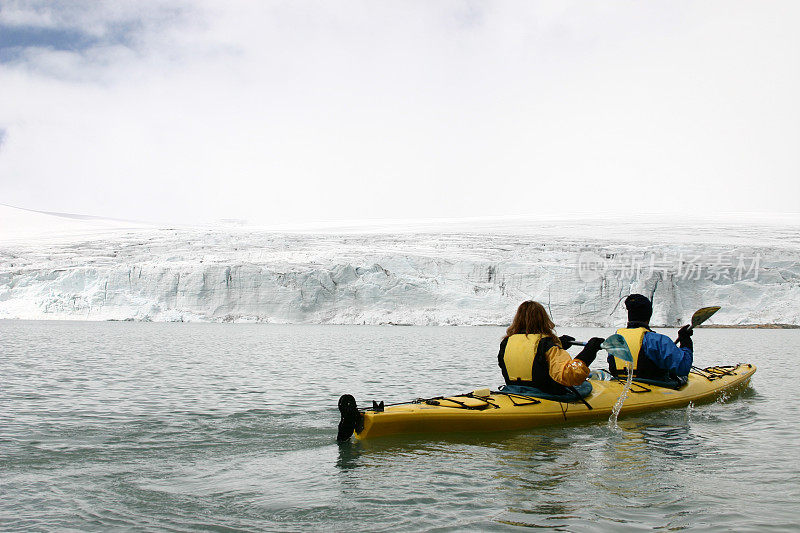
{"x": 564, "y": 369}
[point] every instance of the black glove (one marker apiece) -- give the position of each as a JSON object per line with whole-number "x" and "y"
{"x": 685, "y": 337}
{"x": 589, "y": 351}
{"x": 566, "y": 341}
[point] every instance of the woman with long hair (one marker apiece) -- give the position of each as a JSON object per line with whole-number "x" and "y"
{"x": 532, "y": 355}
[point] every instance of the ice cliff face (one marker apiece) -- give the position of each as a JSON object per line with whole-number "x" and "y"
{"x": 403, "y": 278}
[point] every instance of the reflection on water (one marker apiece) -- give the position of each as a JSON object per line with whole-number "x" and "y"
{"x": 349, "y": 453}
{"x": 189, "y": 427}
{"x": 550, "y": 478}
{"x": 672, "y": 442}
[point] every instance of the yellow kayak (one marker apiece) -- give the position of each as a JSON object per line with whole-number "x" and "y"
{"x": 485, "y": 410}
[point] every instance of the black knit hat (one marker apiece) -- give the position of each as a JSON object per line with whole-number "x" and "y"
{"x": 639, "y": 308}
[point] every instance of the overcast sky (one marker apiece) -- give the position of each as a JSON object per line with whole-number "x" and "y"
{"x": 290, "y": 111}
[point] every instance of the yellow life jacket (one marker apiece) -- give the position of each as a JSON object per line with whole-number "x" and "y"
{"x": 634, "y": 338}
{"x": 519, "y": 355}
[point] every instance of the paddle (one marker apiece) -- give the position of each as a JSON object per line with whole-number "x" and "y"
{"x": 615, "y": 345}
{"x": 618, "y": 347}
{"x": 700, "y": 316}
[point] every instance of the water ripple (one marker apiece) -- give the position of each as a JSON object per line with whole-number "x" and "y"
{"x": 219, "y": 427}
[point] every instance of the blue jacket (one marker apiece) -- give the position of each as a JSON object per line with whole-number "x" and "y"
{"x": 665, "y": 353}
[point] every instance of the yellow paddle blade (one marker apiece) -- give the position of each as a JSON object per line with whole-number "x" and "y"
{"x": 701, "y": 315}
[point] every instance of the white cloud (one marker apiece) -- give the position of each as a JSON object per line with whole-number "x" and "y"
{"x": 296, "y": 110}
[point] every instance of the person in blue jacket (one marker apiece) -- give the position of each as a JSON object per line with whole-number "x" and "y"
{"x": 655, "y": 356}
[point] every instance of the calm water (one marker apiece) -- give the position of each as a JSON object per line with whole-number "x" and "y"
{"x": 228, "y": 427}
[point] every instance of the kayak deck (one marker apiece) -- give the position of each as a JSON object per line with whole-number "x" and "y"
{"x": 482, "y": 411}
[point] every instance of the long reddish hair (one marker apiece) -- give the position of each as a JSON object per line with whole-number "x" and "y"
{"x": 532, "y": 317}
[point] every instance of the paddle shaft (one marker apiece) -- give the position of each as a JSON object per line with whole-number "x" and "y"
{"x": 704, "y": 314}
{"x": 579, "y": 343}
{"x": 618, "y": 348}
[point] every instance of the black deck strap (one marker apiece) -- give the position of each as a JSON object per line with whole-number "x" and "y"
{"x": 675, "y": 384}
{"x": 622, "y": 378}
{"x": 581, "y": 398}
{"x": 462, "y": 405}
{"x": 437, "y": 400}
{"x": 722, "y": 370}
{"x": 697, "y": 371}
{"x": 484, "y": 399}
{"x": 642, "y": 388}
{"x": 486, "y": 403}
{"x": 511, "y": 395}
{"x": 381, "y": 403}
{"x": 427, "y": 400}
{"x": 714, "y": 372}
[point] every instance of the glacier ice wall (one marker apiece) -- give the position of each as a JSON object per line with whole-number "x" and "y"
{"x": 430, "y": 279}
